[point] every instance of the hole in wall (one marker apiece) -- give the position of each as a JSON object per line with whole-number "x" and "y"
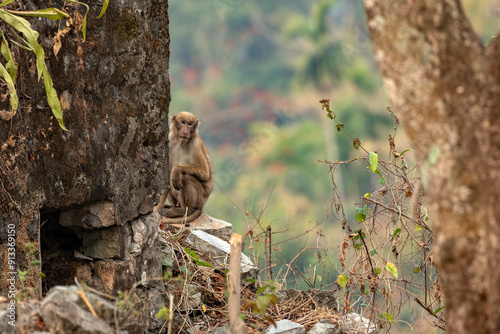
{"x": 58, "y": 244}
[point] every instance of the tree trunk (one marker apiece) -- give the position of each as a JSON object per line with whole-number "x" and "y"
{"x": 445, "y": 86}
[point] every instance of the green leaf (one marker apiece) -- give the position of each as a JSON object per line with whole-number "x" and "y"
{"x": 342, "y": 280}
{"x": 48, "y": 13}
{"x": 52, "y": 98}
{"x": 31, "y": 35}
{"x": 408, "y": 149}
{"x": 396, "y": 233}
{"x": 381, "y": 180}
{"x": 360, "y": 217}
{"x": 250, "y": 280}
{"x": 358, "y": 246}
{"x": 373, "y": 157}
{"x": 10, "y": 65}
{"x": 104, "y": 7}
{"x": 391, "y": 267}
{"x": 373, "y": 252}
{"x": 416, "y": 270}
{"x": 418, "y": 228}
{"x": 6, "y": 2}
{"x": 438, "y": 310}
{"x": 368, "y": 195}
{"x": 377, "y": 271}
{"x": 84, "y": 23}
{"x": 14, "y": 101}
{"x": 389, "y": 317}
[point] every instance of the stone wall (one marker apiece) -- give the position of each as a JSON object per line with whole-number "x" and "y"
{"x": 107, "y": 170}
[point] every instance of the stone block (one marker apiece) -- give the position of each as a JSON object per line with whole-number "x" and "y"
{"x": 144, "y": 232}
{"x": 286, "y": 327}
{"x": 90, "y": 216}
{"x": 116, "y": 275}
{"x": 107, "y": 243}
{"x": 219, "y": 250}
{"x": 213, "y": 226}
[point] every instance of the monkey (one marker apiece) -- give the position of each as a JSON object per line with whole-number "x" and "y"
{"x": 191, "y": 172}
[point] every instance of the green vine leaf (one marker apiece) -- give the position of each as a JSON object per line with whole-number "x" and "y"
{"x": 104, "y": 7}
{"x": 373, "y": 157}
{"x": 391, "y": 267}
{"x": 342, "y": 280}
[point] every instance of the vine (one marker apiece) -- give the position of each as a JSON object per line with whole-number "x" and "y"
{"x": 386, "y": 255}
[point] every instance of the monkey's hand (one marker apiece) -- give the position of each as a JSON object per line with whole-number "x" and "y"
{"x": 176, "y": 178}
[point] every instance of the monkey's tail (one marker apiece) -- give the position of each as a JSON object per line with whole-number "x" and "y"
{"x": 184, "y": 219}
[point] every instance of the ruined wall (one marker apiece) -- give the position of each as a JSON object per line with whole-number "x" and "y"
{"x": 114, "y": 90}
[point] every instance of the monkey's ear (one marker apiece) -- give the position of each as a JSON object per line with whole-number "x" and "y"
{"x": 173, "y": 118}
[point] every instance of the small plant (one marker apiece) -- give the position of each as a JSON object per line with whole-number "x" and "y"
{"x": 265, "y": 298}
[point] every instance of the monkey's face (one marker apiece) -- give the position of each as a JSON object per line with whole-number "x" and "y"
{"x": 185, "y": 124}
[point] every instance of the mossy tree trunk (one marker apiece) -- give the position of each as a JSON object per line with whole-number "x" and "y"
{"x": 445, "y": 86}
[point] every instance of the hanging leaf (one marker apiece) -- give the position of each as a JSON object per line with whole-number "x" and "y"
{"x": 342, "y": 280}
{"x": 10, "y": 65}
{"x": 373, "y": 157}
{"x": 377, "y": 271}
{"x": 48, "y": 13}
{"x": 84, "y": 23}
{"x": 31, "y": 35}
{"x": 389, "y": 317}
{"x": 52, "y": 98}
{"x": 14, "y": 101}
{"x": 6, "y": 2}
{"x": 391, "y": 267}
{"x": 104, "y": 7}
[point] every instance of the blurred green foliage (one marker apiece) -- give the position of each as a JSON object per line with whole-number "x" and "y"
{"x": 253, "y": 72}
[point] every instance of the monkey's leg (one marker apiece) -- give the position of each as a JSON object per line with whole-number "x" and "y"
{"x": 159, "y": 208}
{"x": 193, "y": 194}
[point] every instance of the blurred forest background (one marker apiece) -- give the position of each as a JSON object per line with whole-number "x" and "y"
{"x": 253, "y": 73}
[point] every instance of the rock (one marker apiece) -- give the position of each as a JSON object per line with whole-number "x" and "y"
{"x": 90, "y": 216}
{"x": 63, "y": 308}
{"x": 218, "y": 251}
{"x": 286, "y": 327}
{"x": 116, "y": 275}
{"x": 144, "y": 232}
{"x": 213, "y": 226}
{"x": 324, "y": 328}
{"x": 355, "y": 322}
{"x": 107, "y": 243}
{"x": 79, "y": 256}
{"x": 224, "y": 329}
{"x": 116, "y": 111}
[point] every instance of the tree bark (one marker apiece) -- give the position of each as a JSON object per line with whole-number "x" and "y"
{"x": 445, "y": 86}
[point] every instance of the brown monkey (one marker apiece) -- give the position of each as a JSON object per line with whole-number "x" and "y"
{"x": 191, "y": 172}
